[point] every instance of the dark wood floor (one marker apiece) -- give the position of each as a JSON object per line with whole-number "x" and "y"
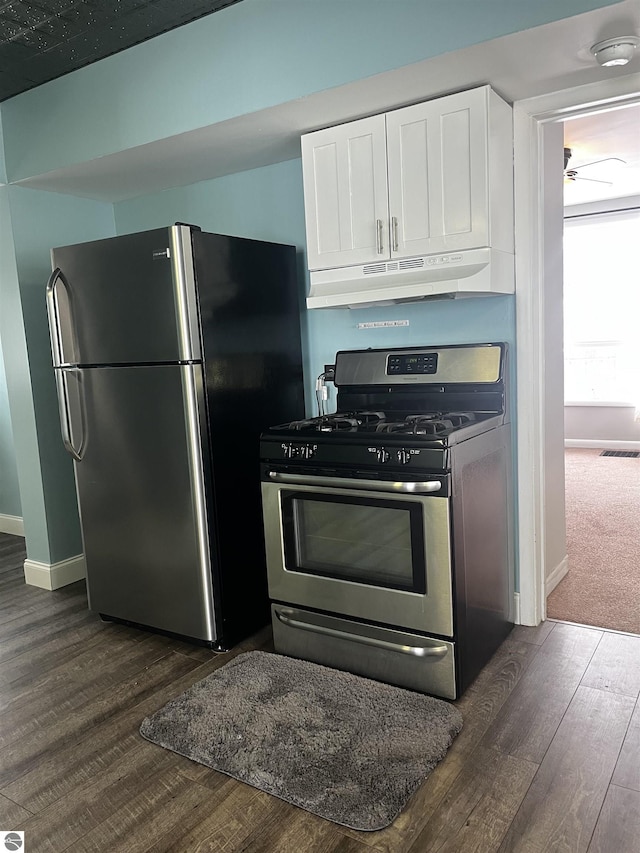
{"x": 548, "y": 759}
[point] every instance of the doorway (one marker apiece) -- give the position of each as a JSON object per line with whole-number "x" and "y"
{"x": 601, "y": 585}
{"x": 539, "y": 143}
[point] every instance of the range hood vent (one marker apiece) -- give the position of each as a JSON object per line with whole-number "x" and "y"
{"x": 473, "y": 272}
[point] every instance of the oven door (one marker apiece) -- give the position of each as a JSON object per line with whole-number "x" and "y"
{"x": 374, "y": 550}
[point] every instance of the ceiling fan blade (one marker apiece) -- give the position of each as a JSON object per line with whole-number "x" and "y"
{"x": 603, "y": 160}
{"x": 591, "y": 180}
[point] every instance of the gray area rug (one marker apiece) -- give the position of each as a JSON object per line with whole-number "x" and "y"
{"x": 343, "y": 747}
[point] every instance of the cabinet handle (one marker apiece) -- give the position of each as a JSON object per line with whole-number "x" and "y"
{"x": 394, "y": 232}
{"x": 379, "y": 246}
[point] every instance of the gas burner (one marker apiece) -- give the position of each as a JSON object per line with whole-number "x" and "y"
{"x": 431, "y": 423}
{"x": 423, "y": 426}
{"x": 339, "y": 421}
{"x": 369, "y": 418}
{"x": 455, "y": 419}
{"x": 335, "y": 423}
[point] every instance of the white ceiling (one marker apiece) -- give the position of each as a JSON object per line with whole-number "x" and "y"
{"x": 614, "y": 133}
{"x": 523, "y": 65}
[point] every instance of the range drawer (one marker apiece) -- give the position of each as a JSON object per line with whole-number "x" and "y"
{"x": 407, "y": 660}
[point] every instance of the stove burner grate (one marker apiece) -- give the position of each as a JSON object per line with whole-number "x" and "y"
{"x": 428, "y": 423}
{"x": 339, "y": 421}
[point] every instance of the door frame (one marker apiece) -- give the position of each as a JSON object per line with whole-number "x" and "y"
{"x": 533, "y": 154}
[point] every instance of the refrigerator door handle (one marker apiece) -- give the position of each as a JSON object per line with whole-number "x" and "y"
{"x": 60, "y": 363}
{"x": 54, "y": 324}
{"x": 56, "y": 321}
{"x": 65, "y": 412}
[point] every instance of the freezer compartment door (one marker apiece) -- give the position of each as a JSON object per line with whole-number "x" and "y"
{"x": 124, "y": 300}
{"x": 144, "y": 493}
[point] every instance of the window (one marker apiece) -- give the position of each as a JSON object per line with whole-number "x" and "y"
{"x": 602, "y": 307}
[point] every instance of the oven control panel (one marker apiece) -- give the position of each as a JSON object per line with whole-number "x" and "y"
{"x": 407, "y": 364}
{"x": 329, "y": 452}
{"x": 446, "y": 365}
{"x": 399, "y": 455}
{"x": 293, "y": 450}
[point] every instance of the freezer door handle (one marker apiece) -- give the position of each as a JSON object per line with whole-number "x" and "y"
{"x": 58, "y": 319}
{"x": 54, "y": 323}
{"x": 64, "y": 405}
{"x": 429, "y": 649}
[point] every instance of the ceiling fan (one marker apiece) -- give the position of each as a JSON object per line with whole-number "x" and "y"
{"x": 573, "y": 174}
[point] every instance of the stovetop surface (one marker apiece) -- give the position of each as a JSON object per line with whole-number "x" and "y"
{"x": 405, "y": 404}
{"x": 365, "y": 423}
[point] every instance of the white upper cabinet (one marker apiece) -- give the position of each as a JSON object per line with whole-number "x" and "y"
{"x": 345, "y": 189}
{"x": 430, "y": 178}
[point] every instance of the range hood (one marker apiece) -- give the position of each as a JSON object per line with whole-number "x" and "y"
{"x": 472, "y": 272}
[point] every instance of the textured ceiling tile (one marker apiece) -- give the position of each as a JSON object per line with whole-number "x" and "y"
{"x": 40, "y": 41}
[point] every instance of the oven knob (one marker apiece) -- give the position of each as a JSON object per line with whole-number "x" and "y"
{"x": 309, "y": 450}
{"x": 382, "y": 455}
{"x": 404, "y": 457}
{"x": 290, "y": 450}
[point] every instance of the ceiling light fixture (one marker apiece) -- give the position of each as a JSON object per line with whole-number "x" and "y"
{"x": 616, "y": 51}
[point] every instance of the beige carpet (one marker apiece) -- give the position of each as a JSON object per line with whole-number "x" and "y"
{"x": 602, "y": 587}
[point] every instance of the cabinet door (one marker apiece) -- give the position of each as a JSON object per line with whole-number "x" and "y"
{"x": 345, "y": 192}
{"x": 437, "y": 163}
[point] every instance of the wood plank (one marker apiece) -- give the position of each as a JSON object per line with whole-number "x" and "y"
{"x": 616, "y": 665}
{"x": 95, "y": 783}
{"x": 45, "y": 778}
{"x": 99, "y": 799}
{"x": 36, "y": 771}
{"x": 479, "y": 705}
{"x": 480, "y": 805}
{"x": 301, "y": 831}
{"x": 531, "y": 715}
{"x": 618, "y": 827}
{"x": 536, "y": 634}
{"x": 12, "y": 816}
{"x": 68, "y": 690}
{"x": 560, "y": 809}
{"x": 163, "y": 808}
{"x": 228, "y": 825}
{"x": 627, "y": 772}
{"x": 59, "y": 614}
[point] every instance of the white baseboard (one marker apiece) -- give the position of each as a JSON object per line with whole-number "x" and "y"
{"x": 54, "y": 575}
{"x": 516, "y": 608}
{"x": 553, "y": 578}
{"x": 603, "y": 443}
{"x": 12, "y": 524}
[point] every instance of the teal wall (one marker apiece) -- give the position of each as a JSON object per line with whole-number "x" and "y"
{"x": 267, "y": 204}
{"x": 9, "y": 485}
{"x": 38, "y": 221}
{"x": 250, "y": 56}
{"x": 9, "y": 488}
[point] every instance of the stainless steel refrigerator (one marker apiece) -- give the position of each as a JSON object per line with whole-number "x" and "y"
{"x": 172, "y": 349}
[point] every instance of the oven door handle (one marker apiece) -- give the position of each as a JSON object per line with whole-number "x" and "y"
{"x": 348, "y": 483}
{"x": 431, "y": 651}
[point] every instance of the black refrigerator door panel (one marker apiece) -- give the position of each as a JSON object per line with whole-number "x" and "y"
{"x": 250, "y": 308}
{"x": 250, "y": 314}
{"x": 124, "y": 300}
{"x": 143, "y": 487}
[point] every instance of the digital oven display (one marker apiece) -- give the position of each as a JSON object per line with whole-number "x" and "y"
{"x": 419, "y": 363}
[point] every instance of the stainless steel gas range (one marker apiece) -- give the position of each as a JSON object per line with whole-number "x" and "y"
{"x": 388, "y": 525}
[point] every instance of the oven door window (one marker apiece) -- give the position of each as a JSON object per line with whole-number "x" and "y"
{"x": 367, "y": 540}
